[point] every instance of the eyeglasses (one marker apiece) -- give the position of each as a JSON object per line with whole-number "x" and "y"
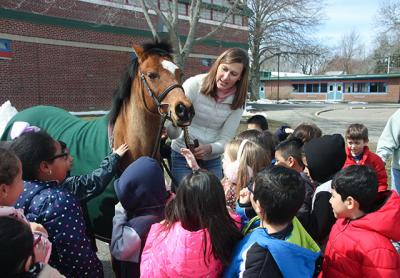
{"x": 250, "y": 186}
{"x": 63, "y": 154}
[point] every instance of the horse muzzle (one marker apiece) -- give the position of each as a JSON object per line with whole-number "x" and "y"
{"x": 184, "y": 115}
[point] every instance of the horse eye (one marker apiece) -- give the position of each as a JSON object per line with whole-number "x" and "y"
{"x": 153, "y": 75}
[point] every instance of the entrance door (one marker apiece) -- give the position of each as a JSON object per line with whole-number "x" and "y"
{"x": 335, "y": 92}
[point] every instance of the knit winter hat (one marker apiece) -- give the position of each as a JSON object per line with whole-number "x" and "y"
{"x": 325, "y": 156}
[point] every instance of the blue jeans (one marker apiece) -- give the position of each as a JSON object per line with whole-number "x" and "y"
{"x": 396, "y": 180}
{"x": 180, "y": 169}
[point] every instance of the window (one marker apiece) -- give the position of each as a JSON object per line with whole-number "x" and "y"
{"x": 312, "y": 88}
{"x": 298, "y": 88}
{"x": 324, "y": 87}
{"x": 238, "y": 20}
{"x": 205, "y": 14}
{"x": 182, "y": 9}
{"x": 377, "y": 87}
{"x": 347, "y": 88}
{"x": 218, "y": 16}
{"x": 360, "y": 88}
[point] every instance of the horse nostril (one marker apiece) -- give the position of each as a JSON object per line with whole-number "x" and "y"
{"x": 184, "y": 114}
{"x": 180, "y": 110}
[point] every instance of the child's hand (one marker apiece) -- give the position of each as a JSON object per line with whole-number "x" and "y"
{"x": 121, "y": 150}
{"x": 41, "y": 247}
{"x": 190, "y": 159}
{"x": 35, "y": 227}
{"x": 244, "y": 196}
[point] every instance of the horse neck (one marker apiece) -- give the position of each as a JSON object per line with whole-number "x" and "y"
{"x": 136, "y": 126}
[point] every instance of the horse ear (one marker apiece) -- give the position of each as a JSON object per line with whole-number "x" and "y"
{"x": 138, "y": 51}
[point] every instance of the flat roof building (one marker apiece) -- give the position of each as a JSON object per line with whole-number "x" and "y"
{"x": 362, "y": 87}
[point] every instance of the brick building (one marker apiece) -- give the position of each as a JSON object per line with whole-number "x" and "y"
{"x": 72, "y": 53}
{"x": 368, "y": 87}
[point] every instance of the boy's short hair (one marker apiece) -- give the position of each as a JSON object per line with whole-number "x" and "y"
{"x": 306, "y": 131}
{"x": 359, "y": 182}
{"x": 280, "y": 192}
{"x": 259, "y": 120}
{"x": 292, "y": 147}
{"x": 357, "y": 132}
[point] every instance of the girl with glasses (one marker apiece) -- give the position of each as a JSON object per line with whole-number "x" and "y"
{"x": 44, "y": 166}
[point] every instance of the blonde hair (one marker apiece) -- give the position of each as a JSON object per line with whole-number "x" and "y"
{"x": 230, "y": 56}
{"x": 253, "y": 155}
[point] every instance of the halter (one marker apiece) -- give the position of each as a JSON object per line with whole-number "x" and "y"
{"x": 157, "y": 101}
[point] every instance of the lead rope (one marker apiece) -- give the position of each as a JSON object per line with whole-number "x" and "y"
{"x": 191, "y": 146}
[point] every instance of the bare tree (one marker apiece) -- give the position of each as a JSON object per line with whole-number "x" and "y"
{"x": 170, "y": 21}
{"x": 276, "y": 27}
{"x": 386, "y": 53}
{"x": 309, "y": 58}
{"x": 389, "y": 16}
{"x": 351, "y": 50}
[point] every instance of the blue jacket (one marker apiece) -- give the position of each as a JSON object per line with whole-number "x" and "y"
{"x": 60, "y": 214}
{"x": 296, "y": 256}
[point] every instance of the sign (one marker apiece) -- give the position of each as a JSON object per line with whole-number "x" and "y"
{"x": 5, "y": 49}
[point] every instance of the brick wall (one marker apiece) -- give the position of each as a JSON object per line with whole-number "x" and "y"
{"x": 77, "y": 78}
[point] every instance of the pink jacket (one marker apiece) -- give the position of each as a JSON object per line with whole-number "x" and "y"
{"x": 178, "y": 253}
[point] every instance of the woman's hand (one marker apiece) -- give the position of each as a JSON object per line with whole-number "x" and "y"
{"x": 201, "y": 151}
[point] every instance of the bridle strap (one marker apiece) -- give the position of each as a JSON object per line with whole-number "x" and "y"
{"x": 157, "y": 144}
{"x": 169, "y": 89}
{"x": 158, "y": 100}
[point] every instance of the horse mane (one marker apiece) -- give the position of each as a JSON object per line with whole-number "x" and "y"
{"x": 122, "y": 93}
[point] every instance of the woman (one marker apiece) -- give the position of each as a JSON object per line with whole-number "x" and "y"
{"x": 218, "y": 98}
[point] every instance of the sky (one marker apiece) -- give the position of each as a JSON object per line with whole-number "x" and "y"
{"x": 343, "y": 16}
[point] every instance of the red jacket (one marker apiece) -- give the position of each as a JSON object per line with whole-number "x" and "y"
{"x": 362, "y": 247}
{"x": 372, "y": 160}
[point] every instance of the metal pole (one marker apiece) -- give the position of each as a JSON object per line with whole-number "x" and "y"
{"x": 277, "y": 95}
{"x": 388, "y": 64}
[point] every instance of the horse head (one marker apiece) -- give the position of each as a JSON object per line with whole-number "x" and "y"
{"x": 161, "y": 80}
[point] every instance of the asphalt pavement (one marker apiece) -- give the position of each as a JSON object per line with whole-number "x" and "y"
{"x": 331, "y": 117}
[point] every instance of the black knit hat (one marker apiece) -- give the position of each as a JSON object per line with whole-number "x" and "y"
{"x": 325, "y": 156}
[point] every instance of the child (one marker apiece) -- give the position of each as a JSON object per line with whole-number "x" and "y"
{"x": 241, "y": 159}
{"x": 89, "y": 186}
{"x": 289, "y": 153}
{"x": 197, "y": 237}
{"x": 323, "y": 158}
{"x": 258, "y": 122}
{"x": 360, "y": 241}
{"x": 17, "y": 258}
{"x": 11, "y": 186}
{"x": 265, "y": 139}
{"x": 44, "y": 166}
{"x": 358, "y": 153}
{"x": 306, "y": 131}
{"x": 279, "y": 247}
{"x": 142, "y": 195}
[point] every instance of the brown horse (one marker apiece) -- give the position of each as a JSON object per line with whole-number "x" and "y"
{"x": 149, "y": 90}
{"x": 155, "y": 91}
